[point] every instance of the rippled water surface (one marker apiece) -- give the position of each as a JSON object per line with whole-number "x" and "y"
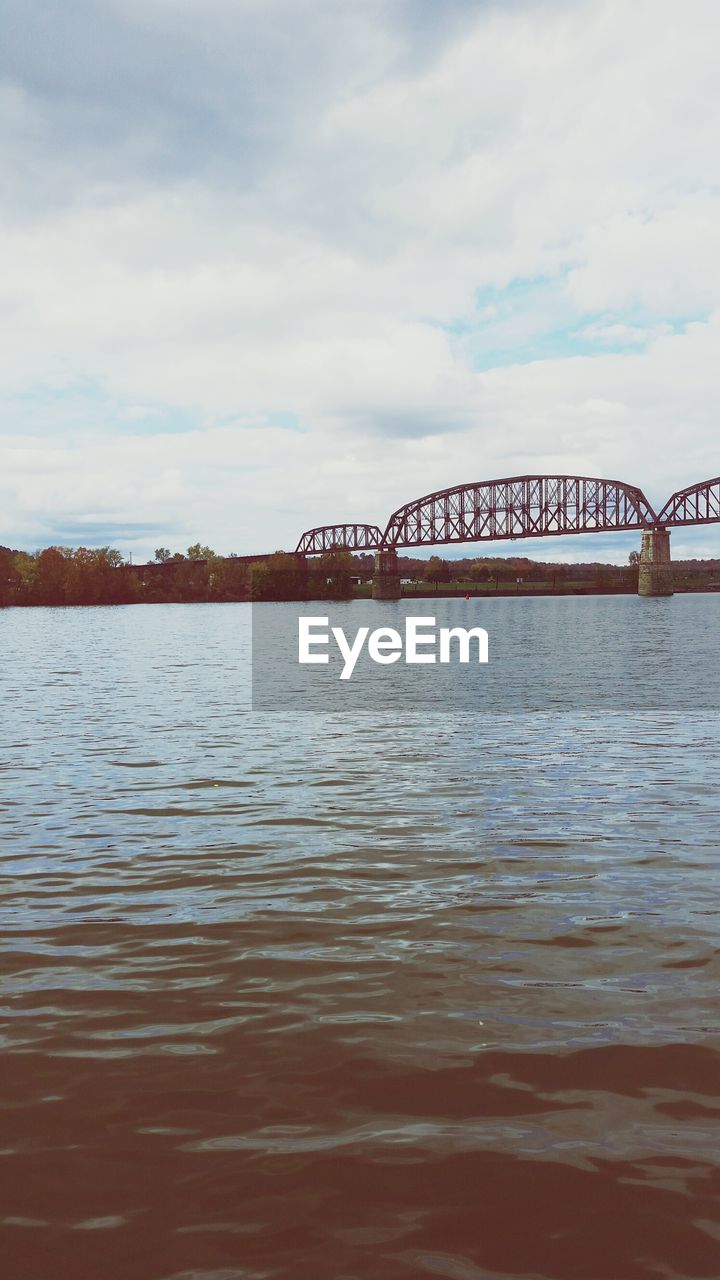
{"x": 346, "y": 998}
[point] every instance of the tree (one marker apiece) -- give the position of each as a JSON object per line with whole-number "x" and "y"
{"x": 198, "y": 552}
{"x": 259, "y": 580}
{"x": 229, "y": 579}
{"x": 93, "y": 576}
{"x": 335, "y": 572}
{"x": 25, "y": 574}
{"x": 632, "y": 573}
{"x": 190, "y": 580}
{"x": 162, "y": 555}
{"x": 9, "y": 577}
{"x": 479, "y": 571}
{"x": 433, "y": 570}
{"x": 501, "y": 569}
{"x": 282, "y": 577}
{"x": 53, "y": 575}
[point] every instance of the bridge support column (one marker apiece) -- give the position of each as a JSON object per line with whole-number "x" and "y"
{"x": 655, "y": 576}
{"x": 386, "y": 578}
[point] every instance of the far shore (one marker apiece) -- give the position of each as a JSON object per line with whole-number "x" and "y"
{"x": 81, "y": 576}
{"x": 518, "y": 591}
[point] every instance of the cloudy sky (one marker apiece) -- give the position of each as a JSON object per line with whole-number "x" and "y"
{"x": 267, "y": 264}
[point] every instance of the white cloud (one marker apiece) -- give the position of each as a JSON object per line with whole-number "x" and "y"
{"x": 242, "y": 214}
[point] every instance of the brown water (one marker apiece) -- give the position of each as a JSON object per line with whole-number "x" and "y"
{"x": 311, "y": 998}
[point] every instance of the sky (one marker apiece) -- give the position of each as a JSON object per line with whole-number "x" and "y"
{"x": 270, "y": 264}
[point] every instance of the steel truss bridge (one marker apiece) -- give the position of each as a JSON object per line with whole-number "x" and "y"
{"x": 348, "y": 537}
{"x": 519, "y": 507}
{"x": 700, "y": 504}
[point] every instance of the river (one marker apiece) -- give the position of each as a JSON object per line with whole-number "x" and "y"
{"x": 328, "y": 996}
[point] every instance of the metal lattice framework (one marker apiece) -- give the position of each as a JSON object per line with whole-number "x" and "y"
{"x": 519, "y": 507}
{"x": 698, "y": 504}
{"x": 339, "y": 537}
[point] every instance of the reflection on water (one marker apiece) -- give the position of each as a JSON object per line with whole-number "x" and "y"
{"x": 300, "y": 997}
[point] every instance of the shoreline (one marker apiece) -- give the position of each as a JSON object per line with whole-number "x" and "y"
{"x": 518, "y": 592}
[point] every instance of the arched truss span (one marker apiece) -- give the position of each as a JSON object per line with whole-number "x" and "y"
{"x": 698, "y": 504}
{"x": 519, "y": 507}
{"x": 339, "y": 537}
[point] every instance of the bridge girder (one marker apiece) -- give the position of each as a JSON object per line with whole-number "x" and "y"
{"x": 698, "y": 504}
{"x": 531, "y": 506}
{"x": 339, "y": 537}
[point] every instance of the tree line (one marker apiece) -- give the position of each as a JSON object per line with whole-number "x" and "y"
{"x": 502, "y": 570}
{"x": 100, "y": 575}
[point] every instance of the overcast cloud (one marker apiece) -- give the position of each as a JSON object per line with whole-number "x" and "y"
{"x": 267, "y": 264}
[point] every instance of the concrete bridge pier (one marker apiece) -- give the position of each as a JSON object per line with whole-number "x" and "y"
{"x": 386, "y": 576}
{"x": 655, "y": 576}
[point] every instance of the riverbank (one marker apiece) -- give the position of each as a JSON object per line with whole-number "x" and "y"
{"x": 526, "y": 589}
{"x": 80, "y": 576}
